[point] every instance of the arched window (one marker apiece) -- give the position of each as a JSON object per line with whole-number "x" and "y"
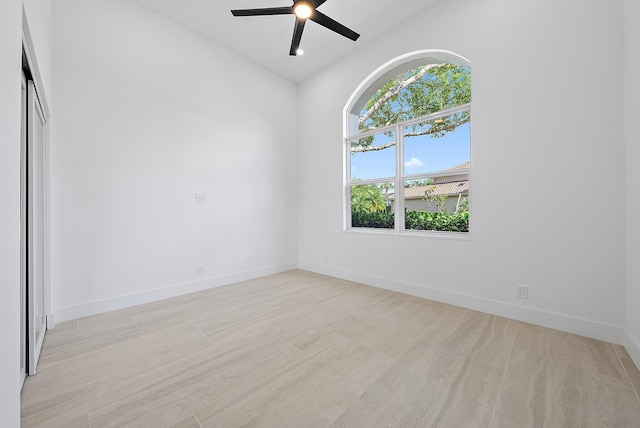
{"x": 408, "y": 146}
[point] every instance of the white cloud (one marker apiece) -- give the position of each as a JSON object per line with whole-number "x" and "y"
{"x": 413, "y": 163}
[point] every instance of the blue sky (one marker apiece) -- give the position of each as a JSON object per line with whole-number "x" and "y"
{"x": 421, "y": 154}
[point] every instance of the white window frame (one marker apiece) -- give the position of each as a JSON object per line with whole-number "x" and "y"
{"x": 380, "y": 76}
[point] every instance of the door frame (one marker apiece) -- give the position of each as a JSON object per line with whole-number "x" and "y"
{"x": 32, "y": 73}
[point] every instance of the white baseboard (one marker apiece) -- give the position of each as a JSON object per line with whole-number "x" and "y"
{"x": 50, "y": 321}
{"x": 557, "y": 321}
{"x": 632, "y": 345}
{"x": 105, "y": 305}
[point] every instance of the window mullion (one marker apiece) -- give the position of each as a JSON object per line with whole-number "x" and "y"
{"x": 399, "y": 185}
{"x": 347, "y": 184}
{"x": 424, "y": 118}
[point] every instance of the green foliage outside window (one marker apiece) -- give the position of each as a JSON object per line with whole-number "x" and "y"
{"x": 370, "y": 208}
{"x": 414, "y": 220}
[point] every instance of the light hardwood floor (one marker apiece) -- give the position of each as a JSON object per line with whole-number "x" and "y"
{"x": 299, "y": 349}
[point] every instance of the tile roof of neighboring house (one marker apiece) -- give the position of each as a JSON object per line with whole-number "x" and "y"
{"x": 450, "y": 188}
{"x": 460, "y": 167}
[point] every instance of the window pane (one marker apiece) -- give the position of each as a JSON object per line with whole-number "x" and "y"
{"x": 437, "y": 145}
{"x": 440, "y": 204}
{"x": 371, "y": 205}
{"x": 373, "y": 157}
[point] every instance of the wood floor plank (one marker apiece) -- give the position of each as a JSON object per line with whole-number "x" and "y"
{"x": 428, "y": 387}
{"x": 311, "y": 390}
{"x": 465, "y": 332}
{"x": 359, "y": 298}
{"x": 62, "y": 412}
{"x": 171, "y": 393}
{"x": 248, "y": 313}
{"x": 378, "y": 332}
{"x": 310, "y": 327}
{"x": 582, "y": 352}
{"x": 416, "y": 314}
{"x": 540, "y": 391}
{"x": 189, "y": 422}
{"x": 158, "y": 318}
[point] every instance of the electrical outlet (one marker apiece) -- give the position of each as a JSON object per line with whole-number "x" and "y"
{"x": 326, "y": 258}
{"x": 200, "y": 198}
{"x": 199, "y": 270}
{"x": 523, "y": 292}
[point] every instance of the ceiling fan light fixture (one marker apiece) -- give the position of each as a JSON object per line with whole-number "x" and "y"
{"x": 303, "y": 9}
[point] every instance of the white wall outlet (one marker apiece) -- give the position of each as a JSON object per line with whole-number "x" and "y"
{"x": 523, "y": 292}
{"x": 200, "y": 198}
{"x": 326, "y": 258}
{"x": 199, "y": 270}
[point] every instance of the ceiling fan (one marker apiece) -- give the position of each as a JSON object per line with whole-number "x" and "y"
{"x": 303, "y": 10}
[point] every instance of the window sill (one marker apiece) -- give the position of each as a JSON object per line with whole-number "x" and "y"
{"x": 452, "y": 236}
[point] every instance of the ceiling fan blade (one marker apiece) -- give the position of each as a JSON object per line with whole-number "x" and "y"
{"x": 317, "y": 3}
{"x": 329, "y": 23}
{"x": 265, "y": 11}
{"x": 297, "y": 35}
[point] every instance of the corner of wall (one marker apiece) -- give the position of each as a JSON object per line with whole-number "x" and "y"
{"x": 632, "y": 345}
{"x": 631, "y": 89}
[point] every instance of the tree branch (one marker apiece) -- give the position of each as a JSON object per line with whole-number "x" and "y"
{"x": 447, "y": 128}
{"x": 360, "y": 149}
{"x": 395, "y": 91}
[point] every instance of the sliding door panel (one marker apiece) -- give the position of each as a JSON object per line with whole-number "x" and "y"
{"x": 35, "y": 226}
{"x": 23, "y": 233}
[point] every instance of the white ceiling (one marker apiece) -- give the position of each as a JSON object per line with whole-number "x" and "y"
{"x": 266, "y": 39}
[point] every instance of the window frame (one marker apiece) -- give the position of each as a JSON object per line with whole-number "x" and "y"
{"x": 387, "y": 71}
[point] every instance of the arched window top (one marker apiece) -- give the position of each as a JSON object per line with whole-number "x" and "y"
{"x": 386, "y": 97}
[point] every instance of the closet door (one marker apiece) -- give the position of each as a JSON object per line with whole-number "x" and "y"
{"x": 36, "y": 320}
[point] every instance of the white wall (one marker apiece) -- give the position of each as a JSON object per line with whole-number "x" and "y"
{"x": 10, "y": 57}
{"x": 547, "y": 114}
{"x": 632, "y": 136}
{"x": 148, "y": 114}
